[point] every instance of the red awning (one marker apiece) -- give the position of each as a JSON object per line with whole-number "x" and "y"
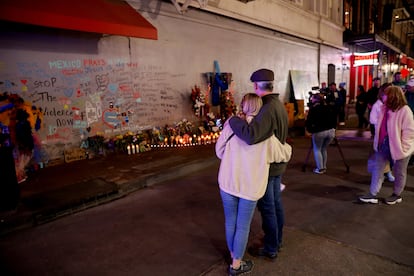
{"x": 114, "y": 17}
{"x": 403, "y": 59}
{"x": 410, "y": 62}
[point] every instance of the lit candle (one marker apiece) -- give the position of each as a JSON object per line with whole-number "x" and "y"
{"x": 133, "y": 149}
{"x": 129, "y": 149}
{"x": 137, "y": 148}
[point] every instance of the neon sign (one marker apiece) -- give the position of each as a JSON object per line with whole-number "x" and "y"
{"x": 370, "y": 58}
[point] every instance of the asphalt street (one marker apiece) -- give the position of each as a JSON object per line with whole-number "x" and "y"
{"x": 176, "y": 227}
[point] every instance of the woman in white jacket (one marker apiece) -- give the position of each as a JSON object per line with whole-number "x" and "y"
{"x": 394, "y": 142}
{"x": 373, "y": 120}
{"x": 242, "y": 178}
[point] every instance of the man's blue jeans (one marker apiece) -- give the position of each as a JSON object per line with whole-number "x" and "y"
{"x": 238, "y": 213}
{"x": 271, "y": 209}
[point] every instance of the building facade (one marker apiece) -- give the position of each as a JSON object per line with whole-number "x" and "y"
{"x": 379, "y": 36}
{"x": 90, "y": 81}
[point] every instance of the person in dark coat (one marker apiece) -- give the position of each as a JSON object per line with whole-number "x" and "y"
{"x": 321, "y": 122}
{"x": 361, "y": 106}
{"x": 341, "y": 102}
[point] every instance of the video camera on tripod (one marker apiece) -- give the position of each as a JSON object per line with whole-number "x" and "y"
{"x": 315, "y": 90}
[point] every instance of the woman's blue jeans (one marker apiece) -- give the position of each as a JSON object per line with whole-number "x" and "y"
{"x": 321, "y": 141}
{"x": 273, "y": 219}
{"x": 238, "y": 214}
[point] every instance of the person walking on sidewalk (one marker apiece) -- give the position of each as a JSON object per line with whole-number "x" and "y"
{"x": 272, "y": 119}
{"x": 243, "y": 174}
{"x": 373, "y": 119}
{"x": 321, "y": 122}
{"x": 372, "y": 96}
{"x": 341, "y": 102}
{"x": 361, "y": 107}
{"x": 393, "y": 142}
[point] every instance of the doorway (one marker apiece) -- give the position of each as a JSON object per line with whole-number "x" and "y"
{"x": 331, "y": 73}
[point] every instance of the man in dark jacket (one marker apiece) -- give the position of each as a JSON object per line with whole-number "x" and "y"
{"x": 271, "y": 120}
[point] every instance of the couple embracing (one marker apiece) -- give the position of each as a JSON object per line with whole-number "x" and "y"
{"x": 254, "y": 155}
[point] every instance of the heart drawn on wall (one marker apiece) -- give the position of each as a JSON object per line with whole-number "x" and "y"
{"x": 68, "y": 92}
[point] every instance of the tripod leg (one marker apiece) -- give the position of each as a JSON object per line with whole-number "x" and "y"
{"x": 307, "y": 157}
{"x": 342, "y": 154}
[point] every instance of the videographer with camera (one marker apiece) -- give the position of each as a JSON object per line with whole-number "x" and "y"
{"x": 321, "y": 122}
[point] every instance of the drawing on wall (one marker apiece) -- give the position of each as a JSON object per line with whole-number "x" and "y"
{"x": 109, "y": 96}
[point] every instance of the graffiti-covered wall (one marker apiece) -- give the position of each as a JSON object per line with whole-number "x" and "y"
{"x": 112, "y": 84}
{"x": 109, "y": 95}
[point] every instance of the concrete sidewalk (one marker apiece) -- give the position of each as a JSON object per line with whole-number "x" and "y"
{"x": 327, "y": 231}
{"x": 64, "y": 189}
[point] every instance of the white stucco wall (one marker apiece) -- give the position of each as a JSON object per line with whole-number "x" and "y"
{"x": 151, "y": 79}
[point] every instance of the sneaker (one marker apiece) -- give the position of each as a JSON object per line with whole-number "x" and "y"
{"x": 22, "y": 179}
{"x": 319, "y": 171}
{"x": 282, "y": 187}
{"x": 369, "y": 199}
{"x": 390, "y": 177}
{"x": 393, "y": 199}
{"x": 245, "y": 266}
{"x": 260, "y": 252}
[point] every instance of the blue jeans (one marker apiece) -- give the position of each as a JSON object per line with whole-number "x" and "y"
{"x": 321, "y": 141}
{"x": 271, "y": 209}
{"x": 238, "y": 214}
{"x": 399, "y": 169}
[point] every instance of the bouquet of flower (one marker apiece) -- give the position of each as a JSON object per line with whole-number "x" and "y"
{"x": 184, "y": 127}
{"x": 199, "y": 101}
{"x": 227, "y": 105}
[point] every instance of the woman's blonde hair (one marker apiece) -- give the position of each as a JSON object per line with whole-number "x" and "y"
{"x": 251, "y": 104}
{"x": 395, "y": 98}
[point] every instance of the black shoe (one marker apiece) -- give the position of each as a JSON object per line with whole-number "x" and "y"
{"x": 260, "y": 252}
{"x": 368, "y": 198}
{"x": 245, "y": 266}
{"x": 393, "y": 199}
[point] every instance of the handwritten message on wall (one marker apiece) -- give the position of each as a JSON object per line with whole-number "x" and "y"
{"x": 108, "y": 96}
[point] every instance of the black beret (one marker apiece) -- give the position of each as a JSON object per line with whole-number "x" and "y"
{"x": 262, "y": 75}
